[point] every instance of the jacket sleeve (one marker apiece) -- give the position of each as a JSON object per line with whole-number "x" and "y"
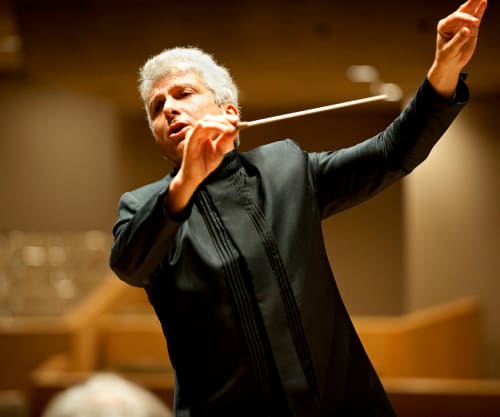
{"x": 349, "y": 176}
{"x": 143, "y": 234}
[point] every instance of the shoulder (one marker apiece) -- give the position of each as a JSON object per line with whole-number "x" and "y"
{"x": 280, "y": 152}
{"x": 152, "y": 188}
{"x": 145, "y": 192}
{"x": 283, "y": 165}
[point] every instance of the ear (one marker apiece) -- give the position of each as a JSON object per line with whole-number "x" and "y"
{"x": 231, "y": 109}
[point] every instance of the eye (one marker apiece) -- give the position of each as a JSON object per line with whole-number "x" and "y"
{"x": 186, "y": 92}
{"x": 157, "y": 106}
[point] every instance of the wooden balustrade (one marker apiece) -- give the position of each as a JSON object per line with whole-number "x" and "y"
{"x": 429, "y": 360}
{"x": 443, "y": 341}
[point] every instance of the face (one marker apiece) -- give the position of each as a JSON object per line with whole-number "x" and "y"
{"x": 176, "y": 102}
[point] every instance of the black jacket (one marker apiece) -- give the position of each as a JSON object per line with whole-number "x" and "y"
{"x": 241, "y": 282}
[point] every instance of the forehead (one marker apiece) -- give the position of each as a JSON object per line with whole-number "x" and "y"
{"x": 177, "y": 79}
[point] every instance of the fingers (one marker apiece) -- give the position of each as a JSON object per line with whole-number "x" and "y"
{"x": 475, "y": 8}
{"x": 459, "y": 39}
{"x": 219, "y": 119}
{"x": 216, "y": 127}
{"x": 479, "y": 13}
{"x": 468, "y": 14}
{"x": 458, "y": 22}
{"x": 211, "y": 137}
{"x": 460, "y": 19}
{"x": 449, "y": 29}
{"x": 205, "y": 145}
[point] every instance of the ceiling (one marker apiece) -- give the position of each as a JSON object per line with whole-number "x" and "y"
{"x": 285, "y": 54}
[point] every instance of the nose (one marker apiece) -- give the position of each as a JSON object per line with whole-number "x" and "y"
{"x": 170, "y": 107}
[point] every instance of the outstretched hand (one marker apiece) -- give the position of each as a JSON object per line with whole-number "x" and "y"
{"x": 455, "y": 45}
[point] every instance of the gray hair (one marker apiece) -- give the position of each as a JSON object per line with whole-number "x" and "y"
{"x": 106, "y": 395}
{"x": 179, "y": 60}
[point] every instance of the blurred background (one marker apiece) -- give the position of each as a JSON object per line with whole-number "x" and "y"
{"x": 73, "y": 138}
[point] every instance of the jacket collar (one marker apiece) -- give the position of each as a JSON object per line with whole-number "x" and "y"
{"x": 229, "y": 165}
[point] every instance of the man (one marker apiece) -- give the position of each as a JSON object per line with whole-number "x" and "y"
{"x": 229, "y": 247}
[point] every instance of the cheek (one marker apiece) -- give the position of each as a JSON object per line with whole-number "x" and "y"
{"x": 157, "y": 130}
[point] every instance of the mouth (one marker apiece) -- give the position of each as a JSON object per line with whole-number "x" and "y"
{"x": 177, "y": 130}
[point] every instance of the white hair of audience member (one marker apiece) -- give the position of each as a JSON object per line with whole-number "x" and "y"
{"x": 106, "y": 395}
